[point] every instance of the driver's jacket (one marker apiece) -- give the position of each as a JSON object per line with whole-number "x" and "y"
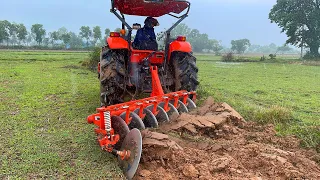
{"x": 145, "y": 39}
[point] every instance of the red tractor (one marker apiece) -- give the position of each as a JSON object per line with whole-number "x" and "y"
{"x": 126, "y": 73}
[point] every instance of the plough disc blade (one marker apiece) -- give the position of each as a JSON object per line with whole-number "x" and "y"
{"x": 182, "y": 107}
{"x": 191, "y": 105}
{"x": 150, "y": 121}
{"x": 162, "y": 115}
{"x": 172, "y": 112}
{"x": 132, "y": 143}
{"x": 136, "y": 121}
{"x": 119, "y": 126}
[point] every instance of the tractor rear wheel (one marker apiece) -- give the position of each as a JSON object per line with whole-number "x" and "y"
{"x": 112, "y": 75}
{"x": 185, "y": 72}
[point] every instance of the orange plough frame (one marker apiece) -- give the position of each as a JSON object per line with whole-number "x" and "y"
{"x": 102, "y": 119}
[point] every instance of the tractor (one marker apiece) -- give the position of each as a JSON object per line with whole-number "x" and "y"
{"x": 168, "y": 76}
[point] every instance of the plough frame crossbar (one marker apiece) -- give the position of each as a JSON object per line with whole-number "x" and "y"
{"x": 102, "y": 119}
{"x": 99, "y": 119}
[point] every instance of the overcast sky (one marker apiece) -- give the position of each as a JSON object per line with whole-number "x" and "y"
{"x": 223, "y": 20}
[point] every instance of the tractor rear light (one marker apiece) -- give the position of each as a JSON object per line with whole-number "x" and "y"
{"x": 123, "y": 32}
{"x": 114, "y": 34}
{"x": 181, "y": 38}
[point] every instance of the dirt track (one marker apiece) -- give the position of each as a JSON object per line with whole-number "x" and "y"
{"x": 215, "y": 142}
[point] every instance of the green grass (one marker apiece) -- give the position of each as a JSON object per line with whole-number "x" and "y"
{"x": 42, "y": 55}
{"x": 43, "y": 128}
{"x": 46, "y": 96}
{"x": 287, "y": 95}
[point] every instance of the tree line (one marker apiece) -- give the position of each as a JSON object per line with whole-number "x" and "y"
{"x": 300, "y": 20}
{"x": 17, "y": 35}
{"x": 202, "y": 43}
{"x": 14, "y": 35}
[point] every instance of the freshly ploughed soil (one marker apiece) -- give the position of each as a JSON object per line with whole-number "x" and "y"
{"x": 215, "y": 142}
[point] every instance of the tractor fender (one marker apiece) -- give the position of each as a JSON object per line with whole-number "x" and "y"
{"x": 117, "y": 43}
{"x": 181, "y": 46}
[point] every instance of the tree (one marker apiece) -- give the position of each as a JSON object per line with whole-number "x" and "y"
{"x": 198, "y": 41}
{"x": 86, "y": 33}
{"x": 75, "y": 41}
{"x": 64, "y": 35}
{"x": 107, "y": 32}
{"x": 54, "y": 36}
{"x": 215, "y": 46}
{"x": 13, "y": 28}
{"x": 29, "y": 38}
{"x": 300, "y": 21}
{"x": 96, "y": 33}
{"x": 117, "y": 30}
{"x": 39, "y": 32}
{"x": 21, "y": 33}
{"x": 181, "y": 30}
{"x": 273, "y": 46}
{"x": 240, "y": 45}
{"x": 4, "y": 34}
{"x": 284, "y": 48}
{"x": 66, "y": 38}
{"x": 61, "y": 31}
{"x": 5, "y": 31}
{"x": 254, "y": 48}
{"x": 46, "y": 41}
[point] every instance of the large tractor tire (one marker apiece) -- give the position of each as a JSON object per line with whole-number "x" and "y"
{"x": 112, "y": 77}
{"x": 185, "y": 72}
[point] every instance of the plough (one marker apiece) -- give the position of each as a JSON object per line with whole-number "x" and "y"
{"x": 114, "y": 124}
{"x": 125, "y": 71}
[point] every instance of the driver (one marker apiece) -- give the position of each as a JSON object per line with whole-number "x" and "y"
{"x": 146, "y": 38}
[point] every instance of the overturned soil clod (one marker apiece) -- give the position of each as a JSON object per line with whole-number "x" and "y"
{"x": 215, "y": 142}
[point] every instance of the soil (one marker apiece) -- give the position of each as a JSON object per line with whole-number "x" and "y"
{"x": 215, "y": 142}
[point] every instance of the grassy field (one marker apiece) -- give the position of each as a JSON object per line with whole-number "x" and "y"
{"x": 286, "y": 94}
{"x": 45, "y": 99}
{"x": 46, "y": 96}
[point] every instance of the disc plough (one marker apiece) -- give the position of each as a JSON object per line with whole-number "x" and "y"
{"x": 118, "y": 126}
{"x": 129, "y": 68}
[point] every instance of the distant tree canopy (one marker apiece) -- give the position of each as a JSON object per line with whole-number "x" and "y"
{"x": 199, "y": 41}
{"x": 97, "y": 33}
{"x": 66, "y": 38}
{"x": 4, "y": 31}
{"x": 240, "y": 46}
{"x": 284, "y": 48}
{"x": 15, "y": 35}
{"x": 38, "y": 32}
{"x": 300, "y": 20}
{"x": 117, "y": 30}
{"x": 107, "y": 32}
{"x": 271, "y": 49}
{"x": 85, "y": 32}
{"x": 63, "y": 35}
{"x": 22, "y": 33}
{"x": 75, "y": 41}
{"x": 54, "y": 36}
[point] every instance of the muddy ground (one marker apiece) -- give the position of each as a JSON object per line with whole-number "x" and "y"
{"x": 215, "y": 142}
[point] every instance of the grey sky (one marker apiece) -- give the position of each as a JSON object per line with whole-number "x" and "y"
{"x": 220, "y": 19}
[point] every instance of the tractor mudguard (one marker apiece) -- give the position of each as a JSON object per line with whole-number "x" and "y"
{"x": 117, "y": 43}
{"x": 181, "y": 46}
